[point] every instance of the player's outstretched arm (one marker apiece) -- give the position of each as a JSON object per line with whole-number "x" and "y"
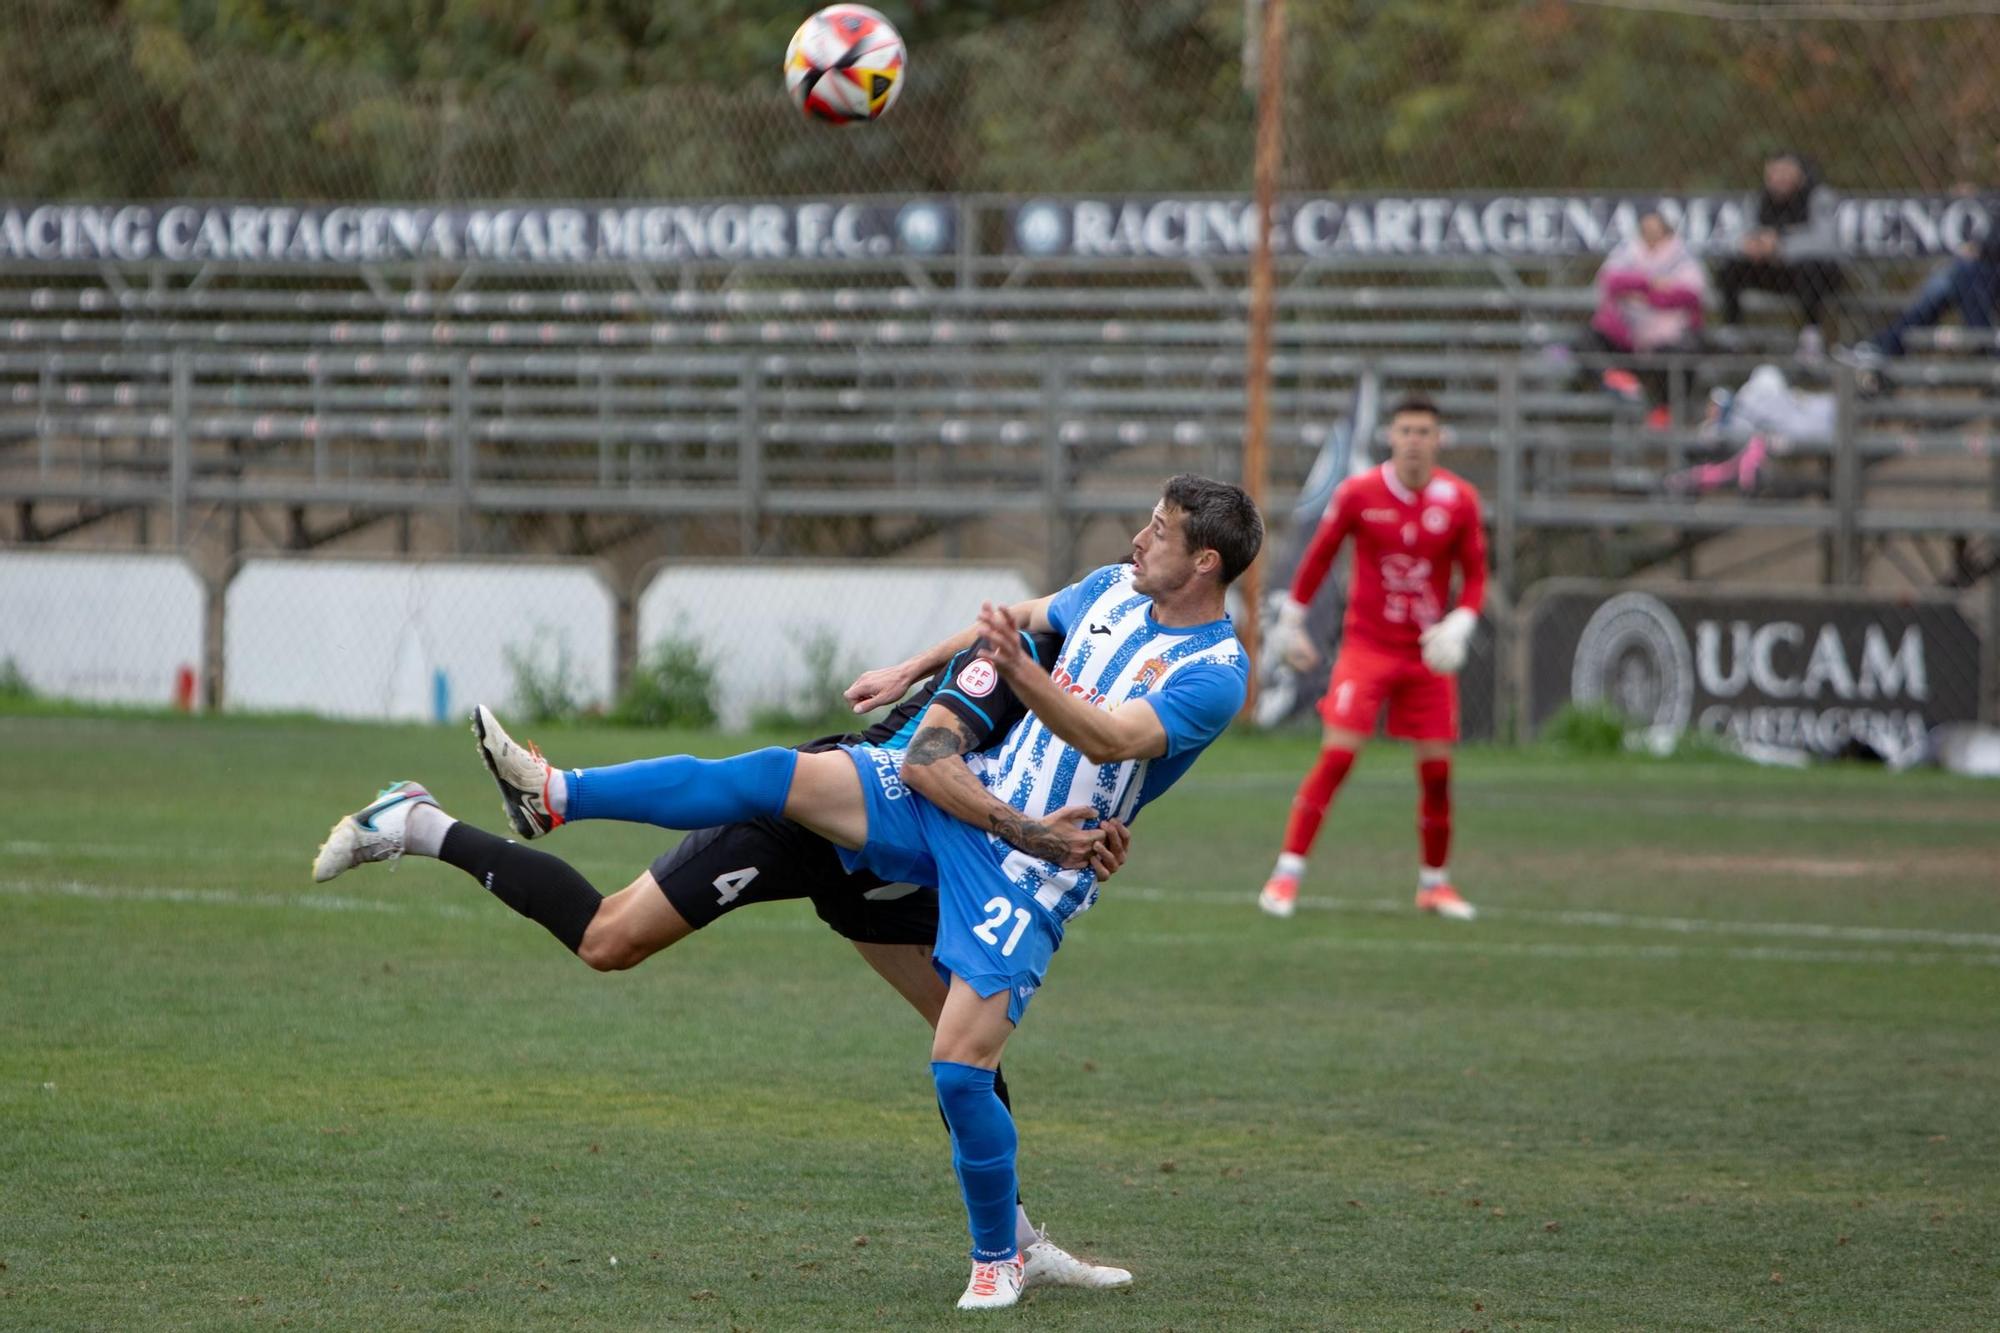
{"x": 1105, "y": 736}
{"x": 934, "y": 768}
{"x": 887, "y": 685}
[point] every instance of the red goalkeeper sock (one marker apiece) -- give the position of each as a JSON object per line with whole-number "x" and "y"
{"x": 1315, "y": 794}
{"x": 1434, "y": 811}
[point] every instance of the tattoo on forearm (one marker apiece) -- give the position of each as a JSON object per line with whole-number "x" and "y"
{"x": 1030, "y": 835}
{"x": 931, "y": 744}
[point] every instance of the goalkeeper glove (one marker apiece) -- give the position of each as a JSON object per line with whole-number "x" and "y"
{"x": 1291, "y": 624}
{"x": 1445, "y": 643}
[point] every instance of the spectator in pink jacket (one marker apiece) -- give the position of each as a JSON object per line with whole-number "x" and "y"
{"x": 1650, "y": 294}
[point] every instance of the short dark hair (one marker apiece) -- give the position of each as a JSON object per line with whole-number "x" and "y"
{"x": 1219, "y": 518}
{"x": 1415, "y": 402}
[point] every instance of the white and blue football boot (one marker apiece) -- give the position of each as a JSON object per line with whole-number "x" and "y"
{"x": 376, "y": 832}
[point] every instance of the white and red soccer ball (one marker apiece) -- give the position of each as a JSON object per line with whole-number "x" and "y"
{"x": 845, "y": 64}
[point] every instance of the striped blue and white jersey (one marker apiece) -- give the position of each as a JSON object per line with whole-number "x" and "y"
{"x": 1193, "y": 677}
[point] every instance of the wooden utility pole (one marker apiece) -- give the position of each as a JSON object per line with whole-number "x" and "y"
{"x": 1263, "y": 293}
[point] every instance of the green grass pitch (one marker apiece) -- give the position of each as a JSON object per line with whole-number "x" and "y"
{"x": 1723, "y": 1052}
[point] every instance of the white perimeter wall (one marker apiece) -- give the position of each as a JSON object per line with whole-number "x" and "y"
{"x": 101, "y": 628}
{"x": 365, "y": 638}
{"x": 752, "y": 621}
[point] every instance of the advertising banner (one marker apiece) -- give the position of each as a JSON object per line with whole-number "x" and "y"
{"x": 1507, "y": 226}
{"x": 519, "y": 234}
{"x": 1815, "y": 674}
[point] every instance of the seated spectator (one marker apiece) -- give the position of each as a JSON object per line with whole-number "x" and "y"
{"x": 1789, "y": 248}
{"x": 1650, "y": 294}
{"x": 1971, "y": 282}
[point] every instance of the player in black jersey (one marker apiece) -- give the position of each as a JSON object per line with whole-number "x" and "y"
{"x": 715, "y": 871}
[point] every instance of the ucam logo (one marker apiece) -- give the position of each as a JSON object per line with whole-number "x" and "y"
{"x": 1633, "y": 656}
{"x": 1772, "y": 659}
{"x": 1807, "y": 674}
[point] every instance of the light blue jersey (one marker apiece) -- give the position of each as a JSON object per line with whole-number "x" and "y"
{"x": 1114, "y": 653}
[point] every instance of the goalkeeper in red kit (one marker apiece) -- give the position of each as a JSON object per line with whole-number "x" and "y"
{"x": 1411, "y": 522}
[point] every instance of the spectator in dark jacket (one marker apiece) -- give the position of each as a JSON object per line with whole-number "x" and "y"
{"x": 1971, "y": 282}
{"x": 1790, "y": 245}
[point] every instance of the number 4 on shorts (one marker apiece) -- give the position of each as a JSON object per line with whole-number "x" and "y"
{"x": 734, "y": 883}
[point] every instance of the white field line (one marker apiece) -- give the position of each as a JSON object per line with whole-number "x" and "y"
{"x": 121, "y": 851}
{"x": 1469, "y": 942}
{"x": 311, "y": 902}
{"x": 1491, "y": 791}
{"x": 1679, "y": 925}
{"x": 1469, "y": 945}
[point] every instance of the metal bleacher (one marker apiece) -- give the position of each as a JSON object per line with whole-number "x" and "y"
{"x": 752, "y": 396}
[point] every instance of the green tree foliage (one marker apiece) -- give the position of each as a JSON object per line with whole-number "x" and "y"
{"x": 490, "y": 99}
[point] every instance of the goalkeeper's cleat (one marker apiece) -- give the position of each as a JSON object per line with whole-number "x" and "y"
{"x": 1280, "y": 896}
{"x": 1443, "y": 900}
{"x": 521, "y": 774}
{"x": 375, "y": 832}
{"x": 1047, "y": 1264}
{"x": 994, "y": 1286}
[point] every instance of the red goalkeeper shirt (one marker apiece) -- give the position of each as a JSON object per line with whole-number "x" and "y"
{"x": 1405, "y": 545}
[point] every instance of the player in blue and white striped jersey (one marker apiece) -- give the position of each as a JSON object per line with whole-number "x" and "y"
{"x": 1150, "y": 673}
{"x": 1115, "y": 650}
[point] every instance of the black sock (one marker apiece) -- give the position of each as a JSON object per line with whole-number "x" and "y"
{"x": 545, "y": 889}
{"x": 1000, "y": 1091}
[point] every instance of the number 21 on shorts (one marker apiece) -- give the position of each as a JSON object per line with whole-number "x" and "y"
{"x": 988, "y": 929}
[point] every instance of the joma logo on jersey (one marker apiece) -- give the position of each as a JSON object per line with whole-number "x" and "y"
{"x": 1065, "y": 681}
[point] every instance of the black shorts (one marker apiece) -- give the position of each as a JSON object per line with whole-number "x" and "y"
{"x": 718, "y": 870}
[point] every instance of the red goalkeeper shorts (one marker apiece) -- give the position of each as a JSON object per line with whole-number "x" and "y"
{"x": 1423, "y": 706}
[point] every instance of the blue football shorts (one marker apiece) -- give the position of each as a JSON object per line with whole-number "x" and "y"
{"x": 991, "y": 934}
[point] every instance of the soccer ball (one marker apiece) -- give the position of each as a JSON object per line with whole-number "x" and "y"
{"x": 845, "y": 64}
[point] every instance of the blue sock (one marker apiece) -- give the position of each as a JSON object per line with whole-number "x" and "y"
{"x": 982, "y": 1151}
{"x": 680, "y": 791}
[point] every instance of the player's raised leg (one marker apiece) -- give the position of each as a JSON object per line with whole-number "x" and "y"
{"x": 607, "y": 933}
{"x": 821, "y": 791}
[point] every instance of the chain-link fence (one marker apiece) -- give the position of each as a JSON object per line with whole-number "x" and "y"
{"x": 515, "y": 100}
{"x": 638, "y": 310}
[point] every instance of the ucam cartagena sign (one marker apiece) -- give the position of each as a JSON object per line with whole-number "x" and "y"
{"x": 1808, "y": 672}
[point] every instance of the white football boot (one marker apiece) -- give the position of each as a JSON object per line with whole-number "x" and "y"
{"x": 1047, "y": 1264}
{"x": 994, "y": 1286}
{"x": 521, "y": 774}
{"x": 1280, "y": 896}
{"x": 376, "y": 832}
